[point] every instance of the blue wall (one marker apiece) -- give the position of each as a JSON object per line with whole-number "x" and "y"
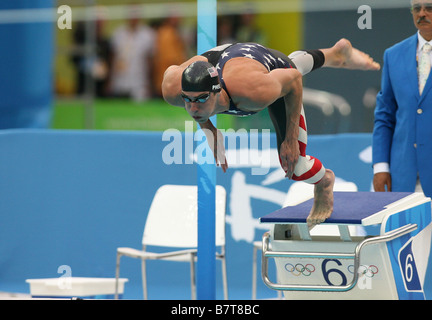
{"x": 27, "y": 55}
{"x": 72, "y": 197}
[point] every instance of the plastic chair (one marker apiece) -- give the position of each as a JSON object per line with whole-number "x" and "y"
{"x": 172, "y": 223}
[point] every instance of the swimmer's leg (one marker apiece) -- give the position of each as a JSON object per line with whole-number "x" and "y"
{"x": 341, "y": 55}
{"x": 311, "y": 170}
{"x": 344, "y": 55}
{"x": 323, "y": 199}
{"x": 306, "y": 61}
{"x": 308, "y": 169}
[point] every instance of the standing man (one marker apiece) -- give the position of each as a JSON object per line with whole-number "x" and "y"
{"x": 245, "y": 78}
{"x": 402, "y": 136}
{"x": 133, "y": 46}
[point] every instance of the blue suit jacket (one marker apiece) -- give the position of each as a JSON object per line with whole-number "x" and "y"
{"x": 403, "y": 120}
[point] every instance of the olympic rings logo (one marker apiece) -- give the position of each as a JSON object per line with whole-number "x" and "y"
{"x": 368, "y": 271}
{"x": 300, "y": 269}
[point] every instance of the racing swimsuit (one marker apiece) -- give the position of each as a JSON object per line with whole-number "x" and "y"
{"x": 308, "y": 168}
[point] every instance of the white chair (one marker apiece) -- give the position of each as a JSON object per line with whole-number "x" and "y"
{"x": 172, "y": 222}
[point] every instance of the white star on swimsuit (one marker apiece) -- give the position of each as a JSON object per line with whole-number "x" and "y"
{"x": 281, "y": 60}
{"x": 270, "y": 56}
{"x": 224, "y": 54}
{"x": 247, "y": 55}
{"x": 267, "y": 58}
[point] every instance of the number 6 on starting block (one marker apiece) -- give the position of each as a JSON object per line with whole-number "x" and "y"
{"x": 408, "y": 268}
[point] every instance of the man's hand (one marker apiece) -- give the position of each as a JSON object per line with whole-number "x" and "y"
{"x": 220, "y": 151}
{"x": 215, "y": 140}
{"x": 289, "y": 153}
{"x": 381, "y": 180}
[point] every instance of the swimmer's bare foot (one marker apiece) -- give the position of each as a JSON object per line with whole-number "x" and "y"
{"x": 344, "y": 55}
{"x": 323, "y": 200}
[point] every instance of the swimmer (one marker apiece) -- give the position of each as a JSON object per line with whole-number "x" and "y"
{"x": 245, "y": 78}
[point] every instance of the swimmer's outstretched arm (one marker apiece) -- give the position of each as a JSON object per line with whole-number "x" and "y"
{"x": 215, "y": 140}
{"x": 292, "y": 91}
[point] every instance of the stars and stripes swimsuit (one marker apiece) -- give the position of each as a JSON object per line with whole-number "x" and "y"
{"x": 308, "y": 168}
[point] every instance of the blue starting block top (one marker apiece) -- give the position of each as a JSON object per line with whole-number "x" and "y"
{"x": 348, "y": 208}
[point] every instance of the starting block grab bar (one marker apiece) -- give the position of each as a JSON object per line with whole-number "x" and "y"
{"x": 266, "y": 254}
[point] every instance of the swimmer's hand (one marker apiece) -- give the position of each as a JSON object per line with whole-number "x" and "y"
{"x": 220, "y": 151}
{"x": 289, "y": 153}
{"x": 215, "y": 140}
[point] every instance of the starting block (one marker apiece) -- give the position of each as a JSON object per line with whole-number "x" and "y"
{"x": 380, "y": 249}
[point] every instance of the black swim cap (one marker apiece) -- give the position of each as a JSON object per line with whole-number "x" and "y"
{"x": 200, "y": 76}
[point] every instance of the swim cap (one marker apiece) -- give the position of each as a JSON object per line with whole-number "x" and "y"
{"x": 200, "y": 76}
